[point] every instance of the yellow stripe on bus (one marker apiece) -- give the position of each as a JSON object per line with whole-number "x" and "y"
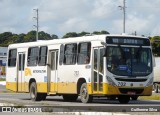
{"x": 71, "y": 88}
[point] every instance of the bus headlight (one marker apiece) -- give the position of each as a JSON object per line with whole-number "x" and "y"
{"x": 110, "y": 81}
{"x": 150, "y": 82}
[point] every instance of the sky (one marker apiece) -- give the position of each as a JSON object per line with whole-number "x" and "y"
{"x": 62, "y": 16}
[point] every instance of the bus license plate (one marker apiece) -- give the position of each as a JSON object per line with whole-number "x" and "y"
{"x": 131, "y": 93}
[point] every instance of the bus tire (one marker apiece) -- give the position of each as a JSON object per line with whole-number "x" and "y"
{"x": 112, "y": 97}
{"x": 134, "y": 97}
{"x": 85, "y": 97}
{"x": 123, "y": 99}
{"x": 43, "y": 96}
{"x": 35, "y": 96}
{"x": 70, "y": 97}
{"x": 155, "y": 88}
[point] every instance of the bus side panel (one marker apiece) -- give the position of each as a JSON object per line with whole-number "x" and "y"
{"x": 11, "y": 79}
{"x": 39, "y": 74}
{"x": 68, "y": 88}
{"x": 41, "y": 79}
{"x": 42, "y": 87}
{"x": 67, "y": 79}
{"x": 69, "y": 75}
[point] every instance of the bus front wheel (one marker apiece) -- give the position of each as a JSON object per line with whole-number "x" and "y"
{"x": 123, "y": 99}
{"x": 85, "y": 97}
{"x": 35, "y": 96}
{"x": 134, "y": 97}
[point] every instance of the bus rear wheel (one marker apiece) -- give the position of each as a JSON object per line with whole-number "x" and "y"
{"x": 123, "y": 99}
{"x": 156, "y": 88}
{"x": 35, "y": 96}
{"x": 70, "y": 97}
{"x": 85, "y": 97}
{"x": 43, "y": 96}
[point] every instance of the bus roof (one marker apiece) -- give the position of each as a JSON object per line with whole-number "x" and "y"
{"x": 70, "y": 40}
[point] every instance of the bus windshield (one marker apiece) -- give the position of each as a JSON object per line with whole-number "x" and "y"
{"x": 129, "y": 61}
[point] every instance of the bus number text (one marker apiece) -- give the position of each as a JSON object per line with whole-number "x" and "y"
{"x": 121, "y": 83}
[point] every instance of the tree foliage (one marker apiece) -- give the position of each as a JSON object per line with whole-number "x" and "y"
{"x": 99, "y": 33}
{"x": 70, "y": 34}
{"x": 83, "y": 33}
{"x": 7, "y": 38}
{"x": 155, "y": 41}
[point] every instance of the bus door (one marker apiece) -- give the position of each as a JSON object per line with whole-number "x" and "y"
{"x": 53, "y": 72}
{"x": 21, "y": 73}
{"x": 98, "y": 71}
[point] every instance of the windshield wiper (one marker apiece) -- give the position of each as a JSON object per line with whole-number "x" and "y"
{"x": 138, "y": 52}
{"x": 122, "y": 52}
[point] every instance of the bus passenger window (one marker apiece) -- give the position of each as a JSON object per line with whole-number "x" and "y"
{"x": 43, "y": 56}
{"x": 61, "y": 54}
{"x": 12, "y": 58}
{"x": 101, "y": 61}
{"x": 33, "y": 54}
{"x": 70, "y": 54}
{"x": 84, "y": 51}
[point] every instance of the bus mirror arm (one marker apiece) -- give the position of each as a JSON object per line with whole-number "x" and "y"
{"x": 48, "y": 64}
{"x": 104, "y": 52}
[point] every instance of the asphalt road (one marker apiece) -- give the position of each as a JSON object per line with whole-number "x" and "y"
{"x": 98, "y": 104}
{"x": 56, "y": 103}
{"x": 2, "y": 87}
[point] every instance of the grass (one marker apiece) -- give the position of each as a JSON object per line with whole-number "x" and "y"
{"x": 2, "y": 79}
{"x": 153, "y": 97}
{"x": 6, "y": 91}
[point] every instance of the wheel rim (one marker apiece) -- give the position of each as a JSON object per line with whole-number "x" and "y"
{"x": 84, "y": 93}
{"x": 33, "y": 92}
{"x": 155, "y": 88}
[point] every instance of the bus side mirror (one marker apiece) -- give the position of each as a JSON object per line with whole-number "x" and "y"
{"x": 153, "y": 60}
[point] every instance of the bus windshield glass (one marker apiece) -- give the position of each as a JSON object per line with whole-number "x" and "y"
{"x": 129, "y": 61}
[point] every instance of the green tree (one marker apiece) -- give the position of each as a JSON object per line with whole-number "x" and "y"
{"x": 44, "y": 36}
{"x": 99, "y": 33}
{"x": 21, "y": 38}
{"x": 155, "y": 42}
{"x": 53, "y": 36}
{"x": 104, "y": 32}
{"x": 83, "y": 33}
{"x": 5, "y": 38}
{"x": 96, "y": 33}
{"x": 30, "y": 36}
{"x": 70, "y": 34}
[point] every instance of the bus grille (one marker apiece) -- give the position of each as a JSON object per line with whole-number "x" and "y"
{"x": 126, "y": 90}
{"x": 131, "y": 80}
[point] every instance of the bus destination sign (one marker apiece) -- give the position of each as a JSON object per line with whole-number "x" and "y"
{"x": 127, "y": 41}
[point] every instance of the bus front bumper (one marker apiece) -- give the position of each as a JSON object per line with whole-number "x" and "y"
{"x": 108, "y": 89}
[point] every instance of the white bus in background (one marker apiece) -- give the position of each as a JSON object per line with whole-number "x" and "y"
{"x": 116, "y": 66}
{"x": 156, "y": 80}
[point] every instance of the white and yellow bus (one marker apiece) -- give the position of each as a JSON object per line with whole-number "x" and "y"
{"x": 116, "y": 66}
